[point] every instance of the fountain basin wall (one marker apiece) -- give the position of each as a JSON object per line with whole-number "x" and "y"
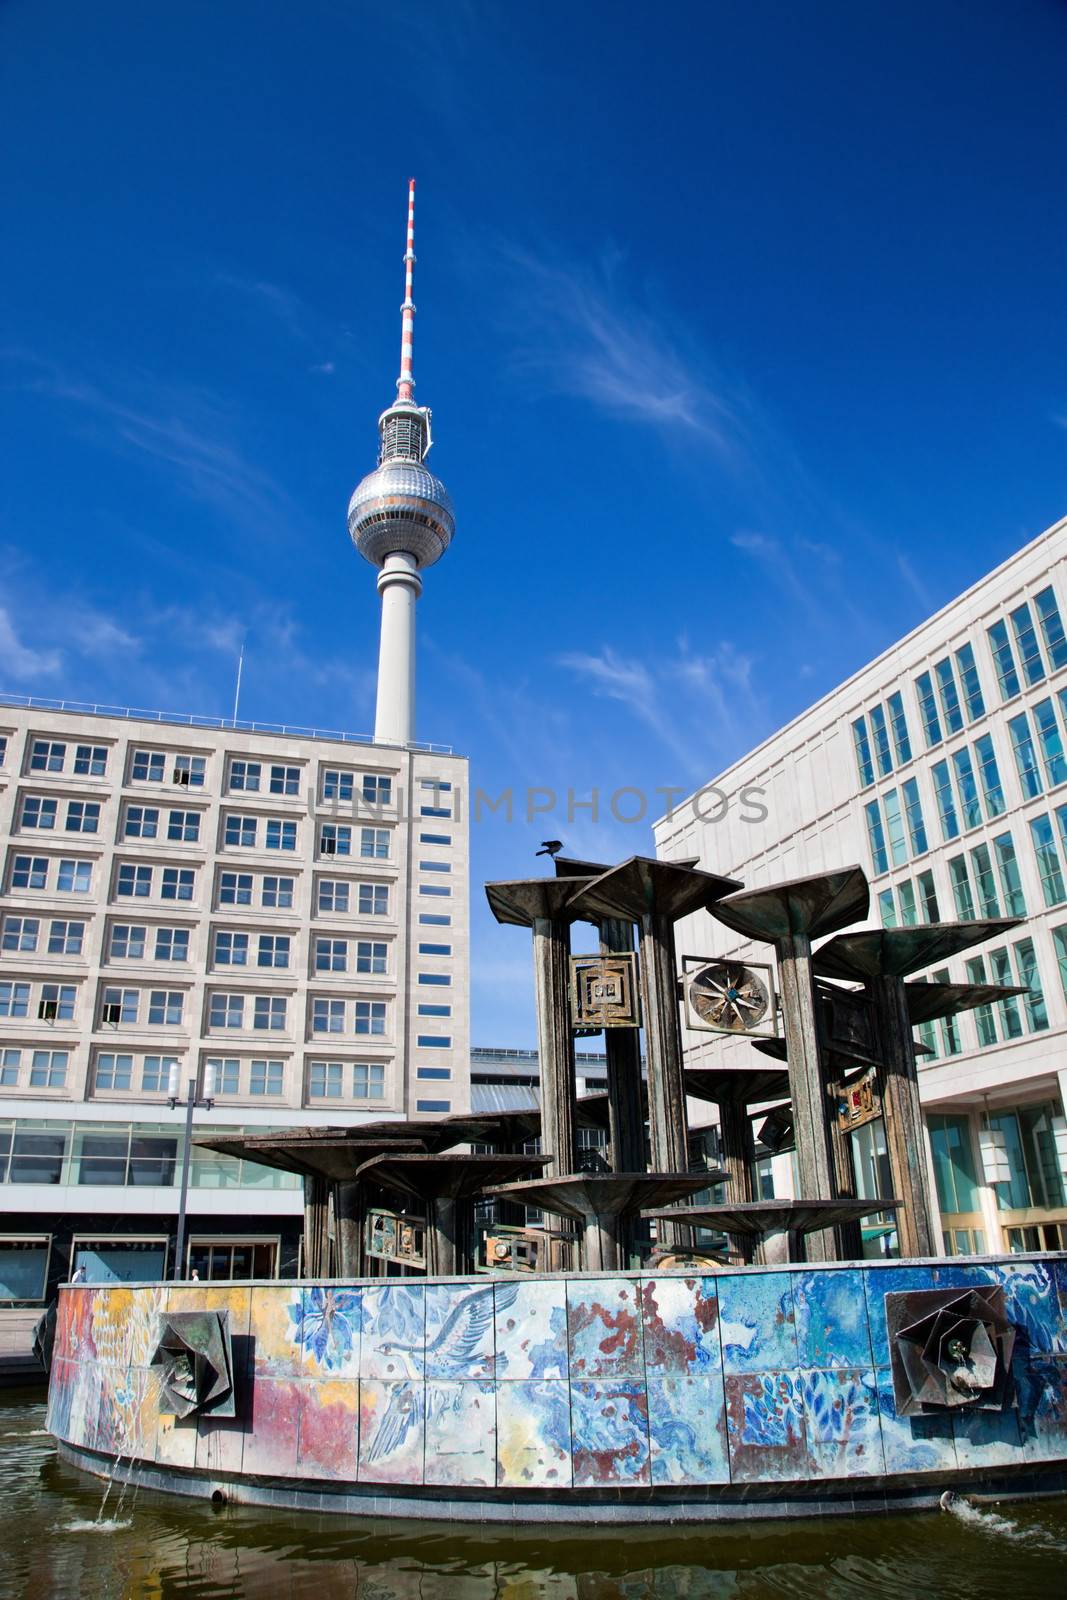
{"x": 632, "y": 1396}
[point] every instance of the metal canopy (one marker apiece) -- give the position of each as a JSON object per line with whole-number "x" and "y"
{"x": 736, "y": 1085}
{"x": 757, "y": 1218}
{"x": 896, "y": 952}
{"x": 641, "y": 886}
{"x": 432, "y": 1177}
{"x": 928, "y": 1001}
{"x": 334, "y": 1159}
{"x": 811, "y": 906}
{"x": 834, "y": 1057}
{"x": 524, "y": 901}
{"x": 583, "y": 1195}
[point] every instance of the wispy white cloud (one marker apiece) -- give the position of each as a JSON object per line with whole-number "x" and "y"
{"x": 914, "y": 582}
{"x": 20, "y": 661}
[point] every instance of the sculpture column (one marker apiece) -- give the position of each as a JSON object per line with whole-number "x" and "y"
{"x": 348, "y": 1222}
{"x": 917, "y": 1227}
{"x": 816, "y": 1168}
{"x": 316, "y": 1226}
{"x": 555, "y": 1043}
{"x": 626, "y": 1112}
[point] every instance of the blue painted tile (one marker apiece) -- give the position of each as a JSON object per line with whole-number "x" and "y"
{"x": 461, "y": 1432}
{"x": 392, "y": 1430}
{"x": 604, "y": 1328}
{"x": 459, "y": 1330}
{"x": 609, "y": 1425}
{"x": 987, "y": 1438}
{"x": 877, "y": 1283}
{"x": 1033, "y": 1304}
{"x": 962, "y": 1274}
{"x": 913, "y": 1444}
{"x": 394, "y": 1330}
{"x": 841, "y": 1421}
{"x": 687, "y": 1429}
{"x": 756, "y": 1322}
{"x": 531, "y": 1329}
{"x": 533, "y": 1439}
{"x": 680, "y": 1323}
{"x": 831, "y": 1319}
{"x": 765, "y": 1427}
{"x": 1041, "y": 1395}
{"x": 326, "y": 1326}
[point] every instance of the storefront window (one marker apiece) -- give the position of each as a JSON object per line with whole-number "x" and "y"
{"x": 954, "y": 1168}
{"x": 23, "y": 1269}
{"x": 121, "y": 1260}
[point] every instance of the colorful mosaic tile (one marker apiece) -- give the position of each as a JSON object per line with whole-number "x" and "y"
{"x": 877, "y": 1283}
{"x": 1041, "y": 1396}
{"x": 1033, "y": 1304}
{"x": 534, "y": 1434}
{"x": 531, "y": 1329}
{"x": 392, "y": 1430}
{"x": 272, "y": 1326}
{"x": 609, "y": 1426}
{"x": 841, "y": 1421}
{"x": 986, "y": 1438}
{"x": 461, "y": 1432}
{"x": 328, "y": 1446}
{"x": 394, "y": 1332}
{"x": 765, "y": 1427}
{"x": 272, "y": 1428}
{"x": 756, "y": 1322}
{"x": 913, "y": 1444}
{"x": 220, "y": 1443}
{"x": 326, "y": 1327}
{"x": 680, "y": 1321}
{"x": 459, "y": 1329}
{"x": 604, "y": 1328}
{"x": 831, "y": 1319}
{"x": 687, "y": 1429}
{"x": 176, "y": 1442}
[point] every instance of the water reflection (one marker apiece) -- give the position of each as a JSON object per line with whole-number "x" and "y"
{"x": 152, "y": 1545}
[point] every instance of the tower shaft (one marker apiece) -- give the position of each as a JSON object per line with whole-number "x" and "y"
{"x": 399, "y": 585}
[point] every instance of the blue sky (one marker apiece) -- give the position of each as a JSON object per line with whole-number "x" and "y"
{"x": 743, "y": 327}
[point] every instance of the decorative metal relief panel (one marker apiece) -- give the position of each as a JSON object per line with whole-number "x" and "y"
{"x": 604, "y": 992}
{"x": 950, "y": 1348}
{"x": 729, "y": 997}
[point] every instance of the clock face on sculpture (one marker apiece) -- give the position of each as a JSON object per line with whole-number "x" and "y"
{"x": 729, "y": 997}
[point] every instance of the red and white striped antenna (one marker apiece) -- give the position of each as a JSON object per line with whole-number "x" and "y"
{"x": 405, "y": 384}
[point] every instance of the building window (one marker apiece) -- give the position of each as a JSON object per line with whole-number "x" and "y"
{"x": 373, "y": 900}
{"x": 441, "y": 890}
{"x": 376, "y": 790}
{"x": 441, "y": 1073}
{"x": 220, "y": 1260}
{"x": 928, "y": 897}
{"x": 21, "y": 933}
{"x": 1003, "y": 661}
{"x": 29, "y": 872}
{"x": 235, "y": 889}
{"x": 38, "y": 811}
{"x": 127, "y": 942}
{"x": 967, "y": 789}
{"x": 114, "y": 1072}
{"x": 10, "y": 1063}
{"x": 951, "y": 1043}
{"x": 928, "y": 709}
{"x": 433, "y": 1105}
{"x": 46, "y": 756}
{"x": 368, "y": 1080}
{"x": 434, "y": 1041}
{"x": 435, "y": 838}
{"x": 120, "y": 1007}
{"x": 1059, "y": 940}
{"x": 48, "y": 1069}
{"x": 887, "y": 909}
{"x": 266, "y": 1077}
{"x": 148, "y": 766}
{"x": 862, "y": 744}
{"x": 285, "y": 780}
{"x": 1029, "y": 977}
{"x": 876, "y": 837}
{"x": 226, "y": 1011}
{"x": 277, "y": 893}
{"x": 972, "y": 687}
{"x": 434, "y": 1011}
{"x": 184, "y": 827}
{"x": 371, "y": 956}
{"x": 142, "y": 822}
{"x": 134, "y": 881}
{"x": 331, "y": 955}
{"x": 881, "y": 741}
{"x": 189, "y": 771}
{"x": 1048, "y": 861}
{"x": 155, "y": 1079}
{"x": 337, "y": 785}
{"x": 335, "y": 839}
{"x": 172, "y": 944}
{"x": 14, "y": 999}
{"x": 946, "y": 801}
{"x": 1048, "y": 615}
{"x": 1010, "y": 880}
{"x": 983, "y": 1015}
{"x": 370, "y": 1016}
{"x": 273, "y": 950}
{"x": 985, "y": 883}
{"x": 435, "y": 866}
{"x": 240, "y": 832}
{"x": 165, "y": 1007}
{"x": 83, "y": 816}
{"x": 374, "y": 844}
{"x": 75, "y": 877}
{"x": 953, "y": 1157}
{"x": 948, "y": 695}
{"x": 1050, "y": 743}
{"x": 280, "y": 835}
{"x": 435, "y": 949}
{"x": 1011, "y": 1021}
{"x": 435, "y": 919}
{"x": 435, "y": 811}
{"x": 244, "y": 776}
{"x": 961, "y": 888}
{"x": 894, "y": 822}
{"x": 989, "y": 776}
{"x": 1026, "y": 640}
{"x": 909, "y": 910}
{"x": 326, "y": 1080}
{"x": 269, "y": 1013}
{"x": 435, "y": 979}
{"x": 1025, "y": 757}
{"x": 177, "y": 883}
{"x": 227, "y": 1073}
{"x": 57, "y": 1002}
{"x": 333, "y": 895}
{"x": 913, "y": 812}
{"x": 231, "y": 949}
{"x": 66, "y": 938}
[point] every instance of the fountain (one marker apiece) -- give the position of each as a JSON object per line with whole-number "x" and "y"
{"x": 575, "y": 1376}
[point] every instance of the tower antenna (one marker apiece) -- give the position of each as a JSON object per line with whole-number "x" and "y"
{"x": 405, "y": 384}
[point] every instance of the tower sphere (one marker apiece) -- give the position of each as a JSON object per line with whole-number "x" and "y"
{"x": 401, "y": 507}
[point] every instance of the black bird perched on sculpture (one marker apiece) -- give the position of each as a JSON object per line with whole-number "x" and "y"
{"x": 550, "y": 847}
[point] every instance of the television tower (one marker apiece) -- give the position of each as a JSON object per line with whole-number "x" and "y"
{"x": 401, "y": 519}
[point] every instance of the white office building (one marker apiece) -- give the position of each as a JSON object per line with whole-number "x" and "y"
{"x": 941, "y": 768}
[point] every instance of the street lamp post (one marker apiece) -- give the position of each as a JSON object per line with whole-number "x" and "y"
{"x": 191, "y": 1103}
